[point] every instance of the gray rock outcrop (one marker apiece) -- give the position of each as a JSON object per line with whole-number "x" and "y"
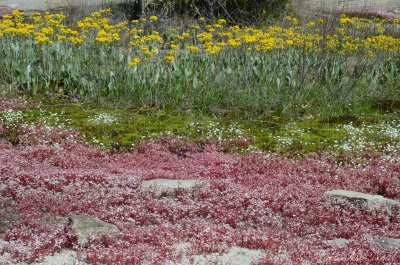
{"x": 170, "y": 186}
{"x": 9, "y": 214}
{"x": 337, "y": 242}
{"x": 84, "y": 226}
{"x": 363, "y": 199}
{"x": 234, "y": 256}
{"x": 64, "y": 257}
{"x": 393, "y": 243}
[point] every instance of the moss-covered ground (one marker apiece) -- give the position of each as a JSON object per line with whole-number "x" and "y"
{"x": 121, "y": 129}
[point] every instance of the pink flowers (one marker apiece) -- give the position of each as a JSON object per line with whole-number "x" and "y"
{"x": 16, "y": 103}
{"x": 266, "y": 202}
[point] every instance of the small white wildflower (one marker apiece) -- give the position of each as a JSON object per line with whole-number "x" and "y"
{"x": 103, "y": 118}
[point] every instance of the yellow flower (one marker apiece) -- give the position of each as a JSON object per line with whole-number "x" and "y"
{"x": 221, "y": 21}
{"x": 345, "y": 20}
{"x": 341, "y": 31}
{"x": 290, "y": 42}
{"x": 134, "y": 62}
{"x": 332, "y": 42}
{"x": 17, "y": 13}
{"x": 41, "y": 38}
{"x": 311, "y": 24}
{"x": 234, "y": 43}
{"x": 151, "y": 52}
{"x": 195, "y": 26}
{"x": 108, "y": 10}
{"x": 250, "y": 39}
{"x": 153, "y": 18}
{"x": 48, "y": 31}
{"x": 204, "y": 36}
{"x": 170, "y": 58}
{"x": 192, "y": 48}
{"x": 380, "y": 28}
{"x": 61, "y": 38}
{"x": 37, "y": 18}
{"x": 133, "y": 43}
{"x": 107, "y": 37}
{"x": 215, "y": 49}
{"x": 77, "y": 40}
{"x": 69, "y": 31}
{"x": 96, "y": 14}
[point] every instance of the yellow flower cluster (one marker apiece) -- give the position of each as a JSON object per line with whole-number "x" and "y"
{"x": 134, "y": 62}
{"x": 139, "y": 37}
{"x": 385, "y": 43}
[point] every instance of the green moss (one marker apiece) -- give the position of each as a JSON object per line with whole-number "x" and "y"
{"x": 120, "y": 128}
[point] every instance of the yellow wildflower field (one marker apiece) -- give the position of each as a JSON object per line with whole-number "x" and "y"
{"x": 203, "y": 62}
{"x": 141, "y": 38}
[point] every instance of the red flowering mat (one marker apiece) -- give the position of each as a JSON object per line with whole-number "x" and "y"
{"x": 265, "y": 202}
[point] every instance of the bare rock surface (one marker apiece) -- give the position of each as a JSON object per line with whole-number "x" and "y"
{"x": 84, "y": 226}
{"x": 170, "y": 186}
{"x": 337, "y": 242}
{"x": 52, "y": 219}
{"x": 235, "y": 256}
{"x": 2, "y": 246}
{"x": 388, "y": 242}
{"x": 9, "y": 214}
{"x": 64, "y": 257}
{"x": 362, "y": 198}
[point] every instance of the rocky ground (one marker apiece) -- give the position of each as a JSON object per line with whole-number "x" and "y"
{"x": 173, "y": 202}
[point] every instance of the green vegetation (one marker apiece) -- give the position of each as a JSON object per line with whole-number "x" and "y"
{"x": 295, "y": 69}
{"x": 292, "y": 87}
{"x": 124, "y": 129}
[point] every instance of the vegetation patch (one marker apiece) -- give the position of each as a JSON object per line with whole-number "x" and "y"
{"x": 121, "y": 129}
{"x": 269, "y": 203}
{"x": 270, "y": 120}
{"x": 322, "y": 67}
